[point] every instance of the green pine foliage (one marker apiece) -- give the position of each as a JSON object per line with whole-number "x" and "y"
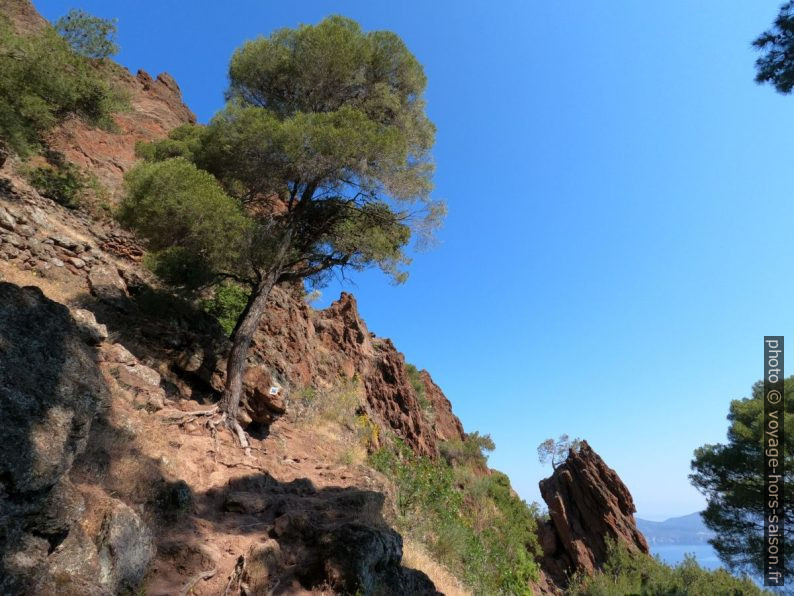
{"x": 627, "y": 572}
{"x": 227, "y": 303}
{"x": 194, "y": 228}
{"x": 42, "y": 81}
{"x": 472, "y": 522}
{"x": 88, "y": 35}
{"x": 469, "y": 452}
{"x": 776, "y": 63}
{"x": 324, "y": 137}
{"x": 59, "y": 180}
{"x": 730, "y": 475}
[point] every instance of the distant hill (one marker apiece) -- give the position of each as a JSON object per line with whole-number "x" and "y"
{"x": 687, "y": 529}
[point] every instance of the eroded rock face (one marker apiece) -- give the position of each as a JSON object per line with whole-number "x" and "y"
{"x": 24, "y": 18}
{"x": 50, "y": 389}
{"x": 156, "y": 109}
{"x": 301, "y": 347}
{"x": 588, "y": 503}
{"x": 447, "y": 425}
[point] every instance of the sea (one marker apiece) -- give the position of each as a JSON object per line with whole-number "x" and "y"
{"x": 674, "y": 554}
{"x": 705, "y": 555}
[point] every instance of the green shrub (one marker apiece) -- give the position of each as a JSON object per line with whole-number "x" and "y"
{"x": 227, "y": 304}
{"x": 60, "y": 181}
{"x": 43, "y": 81}
{"x": 416, "y": 382}
{"x": 414, "y": 376}
{"x": 88, "y": 35}
{"x": 183, "y": 141}
{"x": 470, "y": 451}
{"x": 194, "y": 228}
{"x": 339, "y": 405}
{"x": 627, "y": 572}
{"x": 473, "y": 524}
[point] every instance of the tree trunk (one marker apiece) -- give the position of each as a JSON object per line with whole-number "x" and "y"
{"x": 241, "y": 341}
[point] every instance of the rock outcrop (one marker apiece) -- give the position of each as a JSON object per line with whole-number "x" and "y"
{"x": 588, "y": 504}
{"x": 156, "y": 108}
{"x": 24, "y": 17}
{"x": 50, "y": 390}
{"x": 333, "y": 538}
{"x": 300, "y": 347}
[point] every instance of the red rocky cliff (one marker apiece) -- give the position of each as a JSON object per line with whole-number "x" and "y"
{"x": 156, "y": 108}
{"x": 298, "y": 347}
{"x": 588, "y": 503}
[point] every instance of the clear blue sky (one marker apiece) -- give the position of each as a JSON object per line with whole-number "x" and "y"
{"x": 618, "y": 189}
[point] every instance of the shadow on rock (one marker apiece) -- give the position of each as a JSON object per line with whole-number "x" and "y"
{"x": 331, "y": 539}
{"x": 50, "y": 391}
{"x": 315, "y": 539}
{"x": 159, "y": 327}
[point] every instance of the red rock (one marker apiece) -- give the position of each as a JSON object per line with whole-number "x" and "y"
{"x": 156, "y": 108}
{"x": 301, "y": 347}
{"x": 23, "y": 16}
{"x": 259, "y": 403}
{"x": 447, "y": 425}
{"x": 588, "y": 503}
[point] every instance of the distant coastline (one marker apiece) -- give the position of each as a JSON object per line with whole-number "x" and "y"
{"x": 672, "y": 539}
{"x": 684, "y": 530}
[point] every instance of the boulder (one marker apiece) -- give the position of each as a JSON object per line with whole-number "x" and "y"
{"x": 106, "y": 284}
{"x": 7, "y": 221}
{"x": 125, "y": 549}
{"x": 93, "y": 333}
{"x": 262, "y": 401}
{"x": 334, "y": 539}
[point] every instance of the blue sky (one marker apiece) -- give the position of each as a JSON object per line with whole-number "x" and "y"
{"x": 618, "y": 191}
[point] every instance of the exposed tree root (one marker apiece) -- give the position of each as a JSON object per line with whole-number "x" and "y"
{"x": 180, "y": 417}
{"x": 215, "y": 418}
{"x": 242, "y": 437}
{"x": 241, "y": 465}
{"x": 236, "y": 577}
{"x": 204, "y": 575}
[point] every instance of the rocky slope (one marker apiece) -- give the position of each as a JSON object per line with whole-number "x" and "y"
{"x": 156, "y": 108}
{"x": 98, "y": 495}
{"x": 148, "y": 357}
{"x": 101, "y": 490}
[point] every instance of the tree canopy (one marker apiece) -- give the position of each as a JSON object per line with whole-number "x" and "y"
{"x": 730, "y": 475}
{"x": 88, "y": 35}
{"x": 320, "y": 160}
{"x": 195, "y": 230}
{"x": 323, "y": 139}
{"x": 776, "y": 65}
{"x": 556, "y": 452}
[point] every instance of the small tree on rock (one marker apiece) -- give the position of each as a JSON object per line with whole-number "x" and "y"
{"x": 89, "y": 36}
{"x": 556, "y": 452}
{"x": 319, "y": 162}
